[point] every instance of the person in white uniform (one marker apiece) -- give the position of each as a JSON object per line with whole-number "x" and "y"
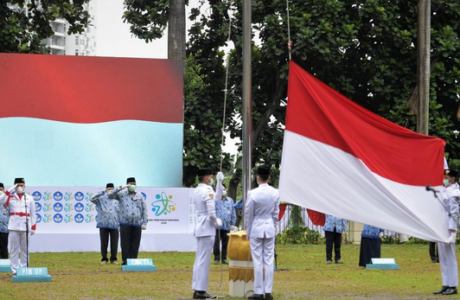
{"x": 205, "y": 229}
{"x": 261, "y": 218}
{"x": 446, "y": 251}
{"x": 21, "y": 207}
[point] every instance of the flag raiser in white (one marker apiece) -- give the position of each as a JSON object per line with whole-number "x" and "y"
{"x": 327, "y": 179}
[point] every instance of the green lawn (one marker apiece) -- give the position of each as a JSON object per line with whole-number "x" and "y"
{"x": 304, "y": 274}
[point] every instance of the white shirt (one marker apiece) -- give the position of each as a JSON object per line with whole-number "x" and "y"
{"x": 450, "y": 195}
{"x": 206, "y": 221}
{"x": 18, "y": 211}
{"x": 261, "y": 212}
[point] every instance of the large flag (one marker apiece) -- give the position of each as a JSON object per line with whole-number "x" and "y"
{"x": 86, "y": 121}
{"x": 340, "y": 159}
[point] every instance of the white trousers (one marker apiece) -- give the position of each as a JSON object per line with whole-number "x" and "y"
{"x": 448, "y": 262}
{"x": 263, "y": 254}
{"x": 202, "y": 262}
{"x": 16, "y": 243}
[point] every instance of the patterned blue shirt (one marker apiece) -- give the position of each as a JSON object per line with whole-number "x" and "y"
{"x": 226, "y": 212}
{"x": 133, "y": 209}
{"x": 339, "y": 224}
{"x": 4, "y": 218}
{"x": 107, "y": 211}
{"x": 371, "y": 232}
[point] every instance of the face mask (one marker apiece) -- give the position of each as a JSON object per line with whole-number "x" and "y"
{"x": 211, "y": 182}
{"x": 224, "y": 193}
{"x": 132, "y": 188}
{"x": 446, "y": 182}
{"x": 20, "y": 190}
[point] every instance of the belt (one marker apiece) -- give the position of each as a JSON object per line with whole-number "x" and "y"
{"x": 21, "y": 214}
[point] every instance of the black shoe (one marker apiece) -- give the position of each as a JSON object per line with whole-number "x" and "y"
{"x": 442, "y": 290}
{"x": 225, "y": 262}
{"x": 256, "y": 296}
{"x": 268, "y": 296}
{"x": 339, "y": 262}
{"x": 450, "y": 291}
{"x": 201, "y": 295}
{"x": 329, "y": 262}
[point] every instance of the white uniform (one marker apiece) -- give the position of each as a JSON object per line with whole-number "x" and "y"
{"x": 205, "y": 232}
{"x": 261, "y": 219}
{"x": 17, "y": 226}
{"x": 446, "y": 252}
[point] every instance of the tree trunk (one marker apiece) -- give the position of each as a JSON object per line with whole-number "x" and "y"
{"x": 176, "y": 30}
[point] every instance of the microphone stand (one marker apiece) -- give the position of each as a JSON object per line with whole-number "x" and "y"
{"x": 27, "y": 230}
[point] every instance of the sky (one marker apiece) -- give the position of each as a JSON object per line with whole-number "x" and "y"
{"x": 115, "y": 40}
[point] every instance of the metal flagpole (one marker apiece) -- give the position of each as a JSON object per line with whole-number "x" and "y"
{"x": 247, "y": 126}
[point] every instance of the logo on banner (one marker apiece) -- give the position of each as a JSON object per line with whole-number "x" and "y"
{"x": 57, "y": 218}
{"x": 68, "y": 196}
{"x": 79, "y": 207}
{"x": 144, "y": 195}
{"x": 89, "y": 218}
{"x": 88, "y": 196}
{"x": 79, "y": 218}
{"x": 47, "y": 218}
{"x": 89, "y": 207}
{"x": 39, "y": 218}
{"x": 37, "y": 196}
{"x": 68, "y": 207}
{"x": 47, "y": 196}
{"x": 163, "y": 205}
{"x": 38, "y": 207}
{"x": 58, "y": 196}
{"x": 47, "y": 207}
{"x": 79, "y": 196}
{"x": 58, "y": 207}
{"x": 68, "y": 218}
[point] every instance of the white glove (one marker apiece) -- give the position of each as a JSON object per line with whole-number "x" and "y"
{"x": 452, "y": 238}
{"x": 32, "y": 232}
{"x": 381, "y": 235}
{"x": 11, "y": 189}
{"x": 220, "y": 177}
{"x": 233, "y": 228}
{"x": 219, "y": 222}
{"x": 144, "y": 227}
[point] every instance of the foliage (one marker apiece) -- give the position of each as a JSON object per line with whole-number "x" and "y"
{"x": 25, "y": 23}
{"x": 300, "y": 235}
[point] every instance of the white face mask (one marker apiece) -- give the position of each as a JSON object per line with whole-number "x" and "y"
{"x": 224, "y": 193}
{"x": 20, "y": 190}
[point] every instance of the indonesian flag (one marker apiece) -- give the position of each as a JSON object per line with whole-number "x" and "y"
{"x": 340, "y": 159}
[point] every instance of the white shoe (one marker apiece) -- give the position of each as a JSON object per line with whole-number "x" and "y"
{"x": 103, "y": 262}
{"x": 114, "y": 262}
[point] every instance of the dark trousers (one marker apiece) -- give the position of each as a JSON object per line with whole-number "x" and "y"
{"x": 433, "y": 252}
{"x": 224, "y": 238}
{"x": 104, "y": 234}
{"x": 333, "y": 239}
{"x": 130, "y": 241}
{"x": 3, "y": 245}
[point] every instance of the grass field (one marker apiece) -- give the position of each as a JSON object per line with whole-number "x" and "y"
{"x": 79, "y": 276}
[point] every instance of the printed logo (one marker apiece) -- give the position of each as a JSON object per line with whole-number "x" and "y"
{"x": 58, "y": 196}
{"x": 38, "y": 207}
{"x": 88, "y": 196}
{"x": 39, "y": 218}
{"x": 144, "y": 195}
{"x": 58, "y": 207}
{"x": 68, "y": 207}
{"x": 47, "y": 196}
{"x": 163, "y": 205}
{"x": 89, "y": 218}
{"x": 89, "y": 207}
{"x": 47, "y": 218}
{"x": 37, "y": 196}
{"x": 68, "y": 218}
{"x": 79, "y": 196}
{"x": 57, "y": 218}
{"x": 79, "y": 207}
{"x": 79, "y": 218}
{"x": 47, "y": 207}
{"x": 68, "y": 196}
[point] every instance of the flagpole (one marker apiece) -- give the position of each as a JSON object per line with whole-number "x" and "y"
{"x": 247, "y": 126}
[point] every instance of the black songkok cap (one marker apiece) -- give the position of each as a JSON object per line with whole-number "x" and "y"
{"x": 204, "y": 172}
{"x": 263, "y": 171}
{"x": 1, "y": 185}
{"x": 451, "y": 173}
{"x": 19, "y": 180}
{"x": 130, "y": 179}
{"x": 109, "y": 185}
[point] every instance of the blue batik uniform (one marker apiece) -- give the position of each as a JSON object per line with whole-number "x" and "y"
{"x": 133, "y": 209}
{"x": 371, "y": 232}
{"x": 333, "y": 229}
{"x": 107, "y": 211}
{"x": 370, "y": 245}
{"x": 226, "y": 212}
{"x": 332, "y": 222}
{"x": 4, "y": 218}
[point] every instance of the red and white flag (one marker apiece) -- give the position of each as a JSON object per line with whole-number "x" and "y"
{"x": 343, "y": 160}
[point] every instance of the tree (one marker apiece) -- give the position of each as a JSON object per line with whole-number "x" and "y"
{"x": 25, "y": 23}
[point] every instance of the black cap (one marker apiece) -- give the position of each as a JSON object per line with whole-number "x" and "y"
{"x": 263, "y": 170}
{"x": 451, "y": 173}
{"x": 19, "y": 180}
{"x": 1, "y": 185}
{"x": 130, "y": 179}
{"x": 109, "y": 185}
{"x": 204, "y": 172}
